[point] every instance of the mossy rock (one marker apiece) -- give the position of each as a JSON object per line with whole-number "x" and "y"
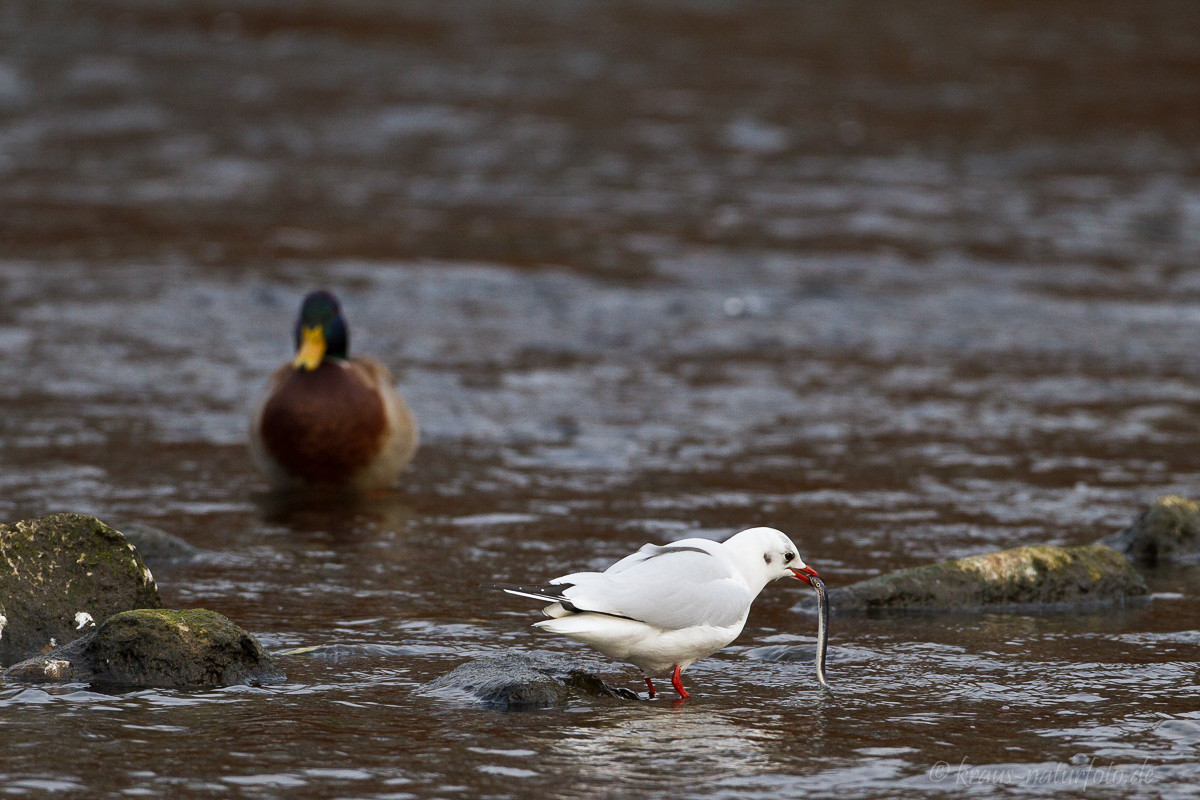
{"x": 1021, "y": 577}
{"x": 156, "y": 648}
{"x": 517, "y": 681}
{"x": 59, "y": 571}
{"x": 1166, "y": 532}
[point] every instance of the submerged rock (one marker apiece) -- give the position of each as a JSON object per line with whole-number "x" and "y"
{"x": 1166, "y": 532}
{"x": 1021, "y": 576}
{"x": 156, "y": 546}
{"x": 59, "y": 572}
{"x": 159, "y": 649}
{"x": 517, "y": 681}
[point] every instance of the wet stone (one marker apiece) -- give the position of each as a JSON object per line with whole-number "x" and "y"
{"x": 1021, "y": 577}
{"x": 156, "y": 546}
{"x": 1166, "y": 532}
{"x": 60, "y": 572}
{"x": 518, "y": 681}
{"x": 156, "y": 648}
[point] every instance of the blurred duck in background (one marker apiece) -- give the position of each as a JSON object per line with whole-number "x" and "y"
{"x": 327, "y": 419}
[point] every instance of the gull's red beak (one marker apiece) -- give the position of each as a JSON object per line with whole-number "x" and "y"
{"x": 805, "y": 573}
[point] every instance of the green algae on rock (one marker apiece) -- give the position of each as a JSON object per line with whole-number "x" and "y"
{"x": 156, "y": 648}
{"x": 1044, "y": 575}
{"x": 59, "y": 572}
{"x": 1168, "y": 531}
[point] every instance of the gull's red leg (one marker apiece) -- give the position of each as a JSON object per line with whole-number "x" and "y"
{"x": 653, "y": 693}
{"x": 678, "y": 684}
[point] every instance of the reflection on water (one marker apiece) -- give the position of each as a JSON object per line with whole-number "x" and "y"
{"x": 341, "y": 516}
{"x": 906, "y": 285}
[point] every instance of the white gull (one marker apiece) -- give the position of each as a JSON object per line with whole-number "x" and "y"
{"x": 667, "y": 606}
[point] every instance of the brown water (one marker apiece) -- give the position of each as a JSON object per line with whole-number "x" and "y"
{"x": 908, "y": 281}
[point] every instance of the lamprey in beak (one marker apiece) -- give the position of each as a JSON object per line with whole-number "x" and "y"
{"x": 822, "y": 626}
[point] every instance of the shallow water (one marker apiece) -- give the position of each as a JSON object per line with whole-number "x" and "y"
{"x": 909, "y": 283}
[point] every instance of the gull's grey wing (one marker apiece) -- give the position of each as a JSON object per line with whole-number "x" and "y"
{"x": 671, "y": 587}
{"x": 648, "y": 551}
{"x": 643, "y": 553}
{"x": 640, "y": 555}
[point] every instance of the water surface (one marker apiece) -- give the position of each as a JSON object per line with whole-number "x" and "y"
{"x": 908, "y": 283}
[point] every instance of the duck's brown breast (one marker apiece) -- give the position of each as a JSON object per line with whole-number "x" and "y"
{"x": 323, "y": 426}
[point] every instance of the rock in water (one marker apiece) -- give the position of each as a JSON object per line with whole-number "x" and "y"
{"x": 1166, "y": 532}
{"x": 1019, "y": 577}
{"x": 55, "y": 569}
{"x": 155, "y": 648}
{"x": 516, "y": 681}
{"x": 156, "y": 546}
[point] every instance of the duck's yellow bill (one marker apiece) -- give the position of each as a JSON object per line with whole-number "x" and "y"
{"x": 312, "y": 348}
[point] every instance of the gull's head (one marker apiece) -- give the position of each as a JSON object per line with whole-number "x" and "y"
{"x": 769, "y": 554}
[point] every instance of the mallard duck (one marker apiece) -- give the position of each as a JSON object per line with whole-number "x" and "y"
{"x": 328, "y": 419}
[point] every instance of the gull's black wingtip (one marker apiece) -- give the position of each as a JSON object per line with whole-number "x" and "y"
{"x": 514, "y": 587}
{"x": 552, "y": 593}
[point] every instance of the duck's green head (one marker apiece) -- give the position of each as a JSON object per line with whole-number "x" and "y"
{"x": 320, "y": 331}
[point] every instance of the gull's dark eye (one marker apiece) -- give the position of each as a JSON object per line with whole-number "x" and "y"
{"x": 788, "y": 557}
